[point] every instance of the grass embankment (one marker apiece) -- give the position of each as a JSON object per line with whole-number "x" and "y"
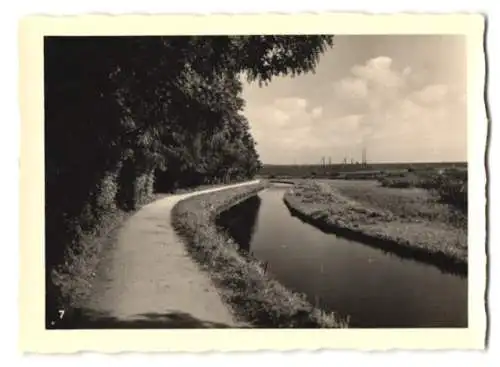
{"x": 409, "y": 222}
{"x": 243, "y": 284}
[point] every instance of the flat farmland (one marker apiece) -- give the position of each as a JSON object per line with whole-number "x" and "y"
{"x": 413, "y": 220}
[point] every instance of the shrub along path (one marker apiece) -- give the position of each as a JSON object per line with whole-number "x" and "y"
{"x": 148, "y": 280}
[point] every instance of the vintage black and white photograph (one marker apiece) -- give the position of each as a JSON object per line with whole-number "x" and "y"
{"x": 256, "y": 181}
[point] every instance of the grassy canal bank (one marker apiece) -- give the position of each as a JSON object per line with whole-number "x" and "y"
{"x": 242, "y": 282}
{"x": 410, "y": 222}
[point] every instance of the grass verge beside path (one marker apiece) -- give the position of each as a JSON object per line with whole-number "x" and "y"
{"x": 71, "y": 282}
{"x": 243, "y": 283}
{"x": 415, "y": 230}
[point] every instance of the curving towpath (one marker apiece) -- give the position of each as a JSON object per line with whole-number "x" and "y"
{"x": 146, "y": 278}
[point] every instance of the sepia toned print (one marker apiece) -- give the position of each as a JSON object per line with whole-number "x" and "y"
{"x": 315, "y": 180}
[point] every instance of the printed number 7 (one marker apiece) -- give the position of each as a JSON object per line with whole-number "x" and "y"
{"x": 61, "y": 314}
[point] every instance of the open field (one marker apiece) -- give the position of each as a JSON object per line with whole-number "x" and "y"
{"x": 448, "y": 181}
{"x": 410, "y": 221}
{"x": 450, "y": 185}
{"x": 412, "y": 203}
{"x": 243, "y": 283}
{"x": 355, "y": 171}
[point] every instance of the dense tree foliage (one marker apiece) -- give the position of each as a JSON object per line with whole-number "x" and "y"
{"x": 120, "y": 111}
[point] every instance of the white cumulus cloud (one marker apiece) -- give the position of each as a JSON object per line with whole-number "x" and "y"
{"x": 400, "y": 105}
{"x": 393, "y": 108}
{"x": 317, "y": 112}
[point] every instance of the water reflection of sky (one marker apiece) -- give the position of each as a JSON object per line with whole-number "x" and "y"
{"x": 376, "y": 289}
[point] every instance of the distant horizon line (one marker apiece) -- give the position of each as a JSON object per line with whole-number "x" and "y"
{"x": 359, "y": 163}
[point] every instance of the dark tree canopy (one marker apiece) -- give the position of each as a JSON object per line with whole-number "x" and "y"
{"x": 124, "y": 112}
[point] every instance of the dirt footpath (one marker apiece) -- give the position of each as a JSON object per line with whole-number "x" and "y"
{"x": 148, "y": 280}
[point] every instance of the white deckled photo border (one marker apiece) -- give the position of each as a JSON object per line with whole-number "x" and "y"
{"x": 33, "y": 335}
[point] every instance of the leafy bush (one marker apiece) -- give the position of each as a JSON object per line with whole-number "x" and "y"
{"x": 450, "y": 185}
{"x": 452, "y": 191}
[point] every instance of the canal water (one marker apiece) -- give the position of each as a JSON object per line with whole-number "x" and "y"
{"x": 373, "y": 288}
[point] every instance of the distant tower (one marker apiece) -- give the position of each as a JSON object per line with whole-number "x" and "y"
{"x": 363, "y": 159}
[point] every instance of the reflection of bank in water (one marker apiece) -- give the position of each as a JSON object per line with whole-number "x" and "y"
{"x": 239, "y": 221}
{"x": 374, "y": 288}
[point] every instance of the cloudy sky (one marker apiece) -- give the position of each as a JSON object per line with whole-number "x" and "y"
{"x": 402, "y": 97}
